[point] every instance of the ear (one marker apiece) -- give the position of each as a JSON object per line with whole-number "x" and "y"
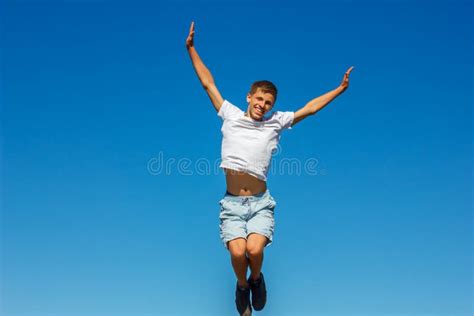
{"x": 248, "y": 97}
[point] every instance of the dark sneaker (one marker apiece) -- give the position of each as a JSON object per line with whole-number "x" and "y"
{"x": 242, "y": 301}
{"x": 259, "y": 292}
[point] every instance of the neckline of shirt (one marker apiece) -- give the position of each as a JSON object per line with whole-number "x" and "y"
{"x": 249, "y": 119}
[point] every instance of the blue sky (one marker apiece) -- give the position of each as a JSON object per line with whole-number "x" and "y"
{"x": 94, "y": 91}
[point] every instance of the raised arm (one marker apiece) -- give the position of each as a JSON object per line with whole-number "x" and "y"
{"x": 202, "y": 72}
{"x": 318, "y": 103}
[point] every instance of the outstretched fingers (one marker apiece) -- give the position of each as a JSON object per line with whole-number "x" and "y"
{"x": 191, "y": 29}
{"x": 190, "y": 38}
{"x": 345, "y": 79}
{"x": 346, "y": 75}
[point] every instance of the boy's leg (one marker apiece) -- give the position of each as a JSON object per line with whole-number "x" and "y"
{"x": 237, "y": 248}
{"x": 255, "y": 245}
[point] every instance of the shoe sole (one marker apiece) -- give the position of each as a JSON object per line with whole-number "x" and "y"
{"x": 248, "y": 312}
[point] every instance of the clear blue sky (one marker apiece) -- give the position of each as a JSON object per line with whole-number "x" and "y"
{"x": 93, "y": 91}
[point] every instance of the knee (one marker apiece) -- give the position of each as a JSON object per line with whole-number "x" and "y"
{"x": 237, "y": 250}
{"x": 254, "y": 250}
{"x": 237, "y": 253}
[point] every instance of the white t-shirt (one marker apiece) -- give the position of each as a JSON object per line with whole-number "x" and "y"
{"x": 247, "y": 145}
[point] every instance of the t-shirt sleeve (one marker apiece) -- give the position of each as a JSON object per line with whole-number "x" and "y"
{"x": 229, "y": 111}
{"x": 285, "y": 119}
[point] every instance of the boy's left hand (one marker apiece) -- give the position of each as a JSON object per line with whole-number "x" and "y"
{"x": 345, "y": 81}
{"x": 190, "y": 38}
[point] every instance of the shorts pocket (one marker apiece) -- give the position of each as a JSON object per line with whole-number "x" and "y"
{"x": 222, "y": 203}
{"x": 226, "y": 207}
{"x": 272, "y": 203}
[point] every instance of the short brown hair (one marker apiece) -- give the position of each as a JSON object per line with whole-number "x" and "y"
{"x": 266, "y": 86}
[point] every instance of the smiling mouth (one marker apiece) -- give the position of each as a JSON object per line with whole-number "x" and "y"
{"x": 258, "y": 111}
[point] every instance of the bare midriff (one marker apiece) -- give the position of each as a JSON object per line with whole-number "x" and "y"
{"x": 241, "y": 183}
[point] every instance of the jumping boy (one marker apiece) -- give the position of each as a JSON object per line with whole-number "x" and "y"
{"x": 247, "y": 209}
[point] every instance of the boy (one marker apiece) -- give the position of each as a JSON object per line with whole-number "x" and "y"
{"x": 247, "y": 209}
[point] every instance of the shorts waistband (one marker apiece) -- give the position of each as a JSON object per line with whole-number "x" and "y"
{"x": 231, "y": 197}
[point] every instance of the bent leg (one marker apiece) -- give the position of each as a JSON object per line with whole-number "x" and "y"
{"x": 237, "y": 248}
{"x": 255, "y": 245}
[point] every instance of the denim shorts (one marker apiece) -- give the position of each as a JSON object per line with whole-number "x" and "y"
{"x": 241, "y": 216}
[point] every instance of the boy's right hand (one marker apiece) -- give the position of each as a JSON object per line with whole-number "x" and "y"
{"x": 190, "y": 39}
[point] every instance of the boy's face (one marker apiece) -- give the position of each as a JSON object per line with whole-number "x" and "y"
{"x": 259, "y": 104}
